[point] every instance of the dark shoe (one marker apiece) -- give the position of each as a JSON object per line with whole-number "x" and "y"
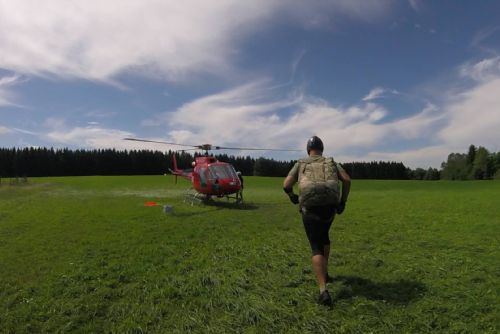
{"x": 325, "y": 299}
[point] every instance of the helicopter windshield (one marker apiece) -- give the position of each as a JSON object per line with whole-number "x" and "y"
{"x": 222, "y": 172}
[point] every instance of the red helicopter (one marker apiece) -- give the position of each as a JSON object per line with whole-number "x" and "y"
{"x": 209, "y": 176}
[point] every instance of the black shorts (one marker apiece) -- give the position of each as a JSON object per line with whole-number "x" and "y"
{"x": 317, "y": 221}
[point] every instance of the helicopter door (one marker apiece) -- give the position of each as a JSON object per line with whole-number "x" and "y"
{"x": 203, "y": 177}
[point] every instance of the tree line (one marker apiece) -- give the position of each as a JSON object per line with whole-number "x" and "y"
{"x": 478, "y": 163}
{"x": 35, "y": 162}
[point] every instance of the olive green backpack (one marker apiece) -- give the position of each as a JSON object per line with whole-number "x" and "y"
{"x": 318, "y": 182}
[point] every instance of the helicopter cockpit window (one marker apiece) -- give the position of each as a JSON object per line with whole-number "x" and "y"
{"x": 220, "y": 172}
{"x": 232, "y": 172}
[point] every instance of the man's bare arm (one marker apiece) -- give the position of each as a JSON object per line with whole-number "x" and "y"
{"x": 346, "y": 185}
{"x": 289, "y": 182}
{"x": 288, "y": 188}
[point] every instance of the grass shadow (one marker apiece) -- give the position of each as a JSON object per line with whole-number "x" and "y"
{"x": 399, "y": 292}
{"x": 189, "y": 214}
{"x": 230, "y": 205}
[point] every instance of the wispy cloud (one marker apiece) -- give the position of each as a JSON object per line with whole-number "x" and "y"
{"x": 379, "y": 92}
{"x": 99, "y": 40}
{"x": 232, "y": 115}
{"x": 483, "y": 70}
{"x": 259, "y": 114}
{"x": 92, "y": 136}
{"x": 474, "y": 116}
{"x": 101, "y": 114}
{"x": 89, "y": 137}
{"x": 250, "y": 116}
{"x": 427, "y": 156}
{"x": 416, "y": 5}
{"x": 4, "y": 130}
{"x": 27, "y": 132}
{"x": 467, "y": 116}
{"x": 480, "y": 39}
{"x": 7, "y": 97}
{"x": 295, "y": 63}
{"x": 375, "y": 93}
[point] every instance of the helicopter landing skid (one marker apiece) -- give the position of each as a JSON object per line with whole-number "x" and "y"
{"x": 193, "y": 197}
{"x": 238, "y": 197}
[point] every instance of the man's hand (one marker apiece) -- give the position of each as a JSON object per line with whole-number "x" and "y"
{"x": 341, "y": 208}
{"x": 294, "y": 198}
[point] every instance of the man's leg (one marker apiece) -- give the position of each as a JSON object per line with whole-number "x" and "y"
{"x": 326, "y": 251}
{"x": 319, "y": 267}
{"x": 326, "y": 247}
{"x": 315, "y": 233}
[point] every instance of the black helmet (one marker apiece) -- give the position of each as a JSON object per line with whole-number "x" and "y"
{"x": 314, "y": 143}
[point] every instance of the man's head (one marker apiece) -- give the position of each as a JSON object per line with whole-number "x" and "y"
{"x": 314, "y": 144}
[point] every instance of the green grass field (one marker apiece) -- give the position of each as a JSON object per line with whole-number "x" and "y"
{"x": 83, "y": 254}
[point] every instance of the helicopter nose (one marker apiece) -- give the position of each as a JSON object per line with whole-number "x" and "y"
{"x": 229, "y": 184}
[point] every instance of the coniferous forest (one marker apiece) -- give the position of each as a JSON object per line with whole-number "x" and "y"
{"x": 478, "y": 163}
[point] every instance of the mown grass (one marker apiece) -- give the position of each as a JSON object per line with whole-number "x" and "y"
{"x": 84, "y": 255}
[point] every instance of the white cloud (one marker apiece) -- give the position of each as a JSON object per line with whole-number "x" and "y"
{"x": 429, "y": 156}
{"x": 474, "y": 117}
{"x": 93, "y": 136}
{"x": 7, "y": 97}
{"x": 481, "y": 40}
{"x": 99, "y": 40}
{"x": 486, "y": 69}
{"x": 101, "y": 114}
{"x": 254, "y": 115}
{"x": 90, "y": 136}
{"x": 250, "y": 115}
{"x": 259, "y": 114}
{"x": 295, "y": 63}
{"x": 416, "y": 5}
{"x": 9, "y": 80}
{"x": 375, "y": 93}
{"x": 27, "y": 132}
{"x": 4, "y": 130}
{"x": 234, "y": 115}
{"x": 469, "y": 116}
{"x": 379, "y": 93}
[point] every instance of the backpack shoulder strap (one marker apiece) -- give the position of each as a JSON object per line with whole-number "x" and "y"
{"x": 303, "y": 164}
{"x": 330, "y": 160}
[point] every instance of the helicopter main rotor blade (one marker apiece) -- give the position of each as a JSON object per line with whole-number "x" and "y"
{"x": 209, "y": 147}
{"x": 254, "y": 149}
{"x": 158, "y": 142}
{"x": 188, "y": 149}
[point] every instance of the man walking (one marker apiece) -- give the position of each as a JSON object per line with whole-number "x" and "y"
{"x": 319, "y": 199}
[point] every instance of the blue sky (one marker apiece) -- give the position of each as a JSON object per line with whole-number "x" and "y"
{"x": 408, "y": 81}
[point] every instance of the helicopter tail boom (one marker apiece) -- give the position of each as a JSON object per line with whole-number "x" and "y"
{"x": 179, "y": 172}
